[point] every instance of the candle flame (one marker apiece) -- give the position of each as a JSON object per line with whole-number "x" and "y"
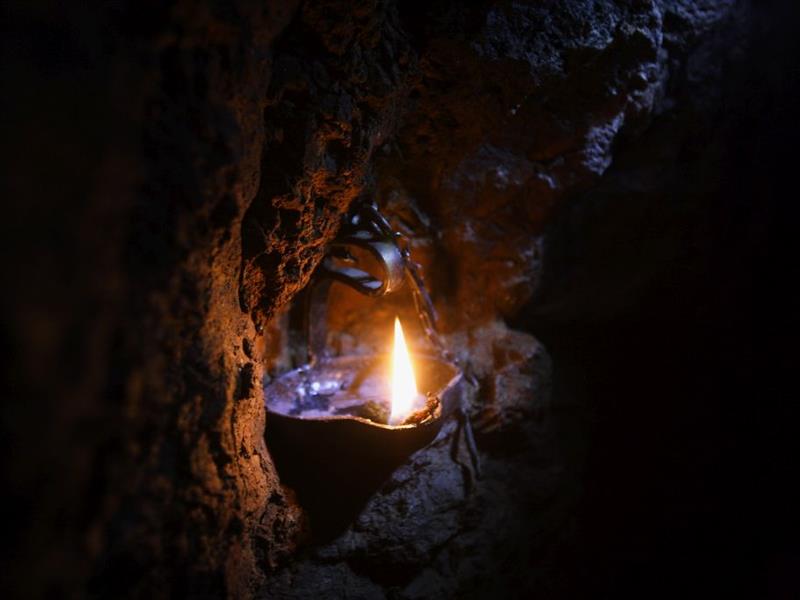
{"x": 404, "y": 385}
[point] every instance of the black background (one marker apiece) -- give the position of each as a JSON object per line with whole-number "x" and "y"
{"x": 692, "y": 458}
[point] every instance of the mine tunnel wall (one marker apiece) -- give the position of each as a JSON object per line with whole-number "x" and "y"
{"x": 176, "y": 174}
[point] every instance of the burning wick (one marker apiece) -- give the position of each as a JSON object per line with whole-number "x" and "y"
{"x": 404, "y": 385}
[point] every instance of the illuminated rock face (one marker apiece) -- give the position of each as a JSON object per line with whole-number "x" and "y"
{"x": 206, "y": 159}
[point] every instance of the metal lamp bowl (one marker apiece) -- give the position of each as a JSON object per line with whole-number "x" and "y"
{"x": 346, "y": 436}
{"x": 335, "y": 463}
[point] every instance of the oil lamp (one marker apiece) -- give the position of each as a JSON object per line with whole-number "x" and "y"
{"x": 339, "y": 425}
{"x": 343, "y": 408}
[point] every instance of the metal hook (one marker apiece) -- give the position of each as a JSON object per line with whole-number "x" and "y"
{"x": 366, "y": 229}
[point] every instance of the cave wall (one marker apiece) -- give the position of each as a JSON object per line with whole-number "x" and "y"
{"x": 514, "y": 114}
{"x": 139, "y": 466}
{"x": 552, "y": 189}
{"x": 175, "y": 174}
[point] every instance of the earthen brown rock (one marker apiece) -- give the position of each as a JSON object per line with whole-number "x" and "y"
{"x": 176, "y": 174}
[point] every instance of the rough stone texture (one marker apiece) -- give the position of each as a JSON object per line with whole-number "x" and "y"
{"x": 139, "y": 464}
{"x": 176, "y": 173}
{"x": 340, "y": 80}
{"x": 516, "y": 110}
{"x": 519, "y": 112}
{"x": 165, "y": 199}
{"x": 432, "y": 530}
{"x": 512, "y": 117}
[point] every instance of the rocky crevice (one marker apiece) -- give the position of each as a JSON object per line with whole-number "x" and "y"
{"x": 209, "y": 157}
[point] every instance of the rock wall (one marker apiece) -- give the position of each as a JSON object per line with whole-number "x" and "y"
{"x": 139, "y": 464}
{"x": 501, "y": 163}
{"x": 175, "y": 173}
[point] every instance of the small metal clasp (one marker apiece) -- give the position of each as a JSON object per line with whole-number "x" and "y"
{"x": 367, "y": 229}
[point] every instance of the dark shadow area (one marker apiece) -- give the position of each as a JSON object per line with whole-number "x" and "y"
{"x": 336, "y": 467}
{"x": 687, "y": 374}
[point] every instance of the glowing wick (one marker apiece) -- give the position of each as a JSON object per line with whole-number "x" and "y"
{"x": 404, "y": 385}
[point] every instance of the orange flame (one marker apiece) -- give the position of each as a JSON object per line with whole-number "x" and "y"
{"x": 404, "y": 385}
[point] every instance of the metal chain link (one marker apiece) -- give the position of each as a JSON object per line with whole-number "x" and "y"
{"x": 426, "y": 311}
